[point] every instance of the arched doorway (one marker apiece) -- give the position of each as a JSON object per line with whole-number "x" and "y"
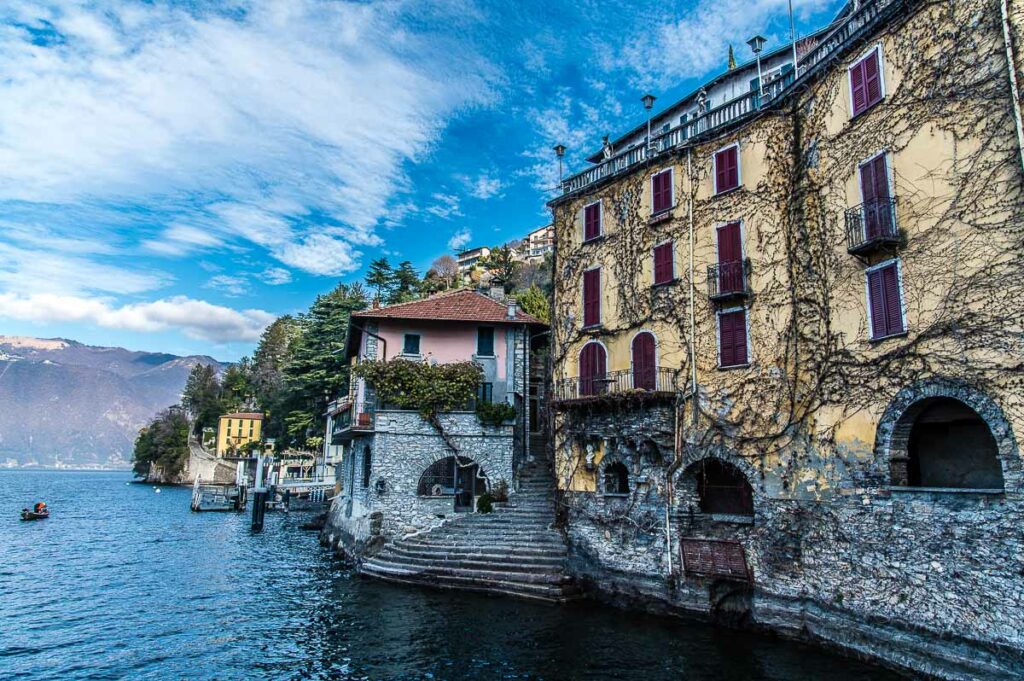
{"x": 615, "y": 478}
{"x": 459, "y": 478}
{"x": 949, "y": 445}
{"x": 722, "y": 488}
{"x": 593, "y": 369}
{"x": 645, "y": 369}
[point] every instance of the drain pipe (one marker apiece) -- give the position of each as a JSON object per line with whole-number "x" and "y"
{"x": 1012, "y": 72}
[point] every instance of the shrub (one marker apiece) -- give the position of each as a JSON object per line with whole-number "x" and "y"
{"x": 495, "y": 413}
{"x": 428, "y": 388}
{"x": 485, "y": 503}
{"x": 500, "y": 491}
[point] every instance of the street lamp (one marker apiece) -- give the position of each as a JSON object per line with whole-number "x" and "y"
{"x": 559, "y": 152}
{"x": 756, "y": 45}
{"x": 648, "y": 101}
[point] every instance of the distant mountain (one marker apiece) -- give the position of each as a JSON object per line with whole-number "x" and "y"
{"x": 63, "y": 402}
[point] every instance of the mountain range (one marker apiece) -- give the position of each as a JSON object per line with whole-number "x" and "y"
{"x": 67, "y": 403}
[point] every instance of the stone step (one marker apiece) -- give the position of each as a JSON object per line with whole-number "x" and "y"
{"x": 446, "y": 545}
{"x": 457, "y": 575}
{"x": 509, "y": 564}
{"x": 553, "y": 559}
{"x": 483, "y": 532}
{"x": 531, "y": 592}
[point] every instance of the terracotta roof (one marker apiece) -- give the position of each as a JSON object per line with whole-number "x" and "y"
{"x": 463, "y": 305}
{"x": 256, "y": 416}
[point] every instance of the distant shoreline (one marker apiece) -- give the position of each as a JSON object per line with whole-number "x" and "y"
{"x": 68, "y": 469}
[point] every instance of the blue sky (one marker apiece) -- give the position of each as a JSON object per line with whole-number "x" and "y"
{"x": 173, "y": 175}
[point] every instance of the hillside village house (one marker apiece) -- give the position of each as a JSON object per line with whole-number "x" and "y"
{"x": 236, "y": 430}
{"x": 398, "y": 474}
{"x": 788, "y": 343}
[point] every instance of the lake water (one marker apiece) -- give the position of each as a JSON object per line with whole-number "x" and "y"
{"x": 122, "y": 582}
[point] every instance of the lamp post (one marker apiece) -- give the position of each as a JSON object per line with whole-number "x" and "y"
{"x": 792, "y": 39}
{"x": 648, "y": 101}
{"x": 559, "y": 152}
{"x": 756, "y": 45}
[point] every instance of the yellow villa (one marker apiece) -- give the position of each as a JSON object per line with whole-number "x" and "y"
{"x": 236, "y": 430}
{"x": 787, "y": 366}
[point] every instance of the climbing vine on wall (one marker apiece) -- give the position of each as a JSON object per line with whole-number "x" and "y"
{"x": 430, "y": 389}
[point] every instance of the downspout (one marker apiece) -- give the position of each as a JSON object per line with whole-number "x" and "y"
{"x": 1012, "y": 72}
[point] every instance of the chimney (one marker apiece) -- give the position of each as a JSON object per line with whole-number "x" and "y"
{"x": 496, "y": 293}
{"x": 512, "y": 309}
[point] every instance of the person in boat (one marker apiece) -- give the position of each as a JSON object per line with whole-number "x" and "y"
{"x": 40, "y": 507}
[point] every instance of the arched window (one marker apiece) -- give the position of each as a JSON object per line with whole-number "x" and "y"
{"x": 447, "y": 477}
{"x": 950, "y": 446}
{"x": 722, "y": 488}
{"x": 616, "y": 478}
{"x": 645, "y": 371}
{"x": 367, "y": 465}
{"x": 593, "y": 369}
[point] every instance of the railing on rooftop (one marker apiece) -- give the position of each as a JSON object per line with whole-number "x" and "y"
{"x": 733, "y": 110}
{"x": 652, "y": 380}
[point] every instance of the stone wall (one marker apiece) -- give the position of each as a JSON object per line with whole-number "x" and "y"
{"x": 402, "y": 447}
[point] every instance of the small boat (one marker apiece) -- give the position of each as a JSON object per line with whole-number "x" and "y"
{"x": 32, "y": 515}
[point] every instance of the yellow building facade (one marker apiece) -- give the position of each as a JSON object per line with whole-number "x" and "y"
{"x": 236, "y": 430}
{"x": 807, "y": 304}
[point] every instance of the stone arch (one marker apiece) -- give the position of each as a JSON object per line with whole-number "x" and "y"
{"x": 893, "y": 436}
{"x": 685, "y": 481}
{"x": 614, "y": 478}
{"x": 722, "y": 487}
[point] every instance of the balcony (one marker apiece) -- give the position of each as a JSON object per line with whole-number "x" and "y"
{"x": 871, "y": 227}
{"x": 357, "y": 417}
{"x": 729, "y": 281}
{"x": 848, "y": 31}
{"x": 654, "y": 381}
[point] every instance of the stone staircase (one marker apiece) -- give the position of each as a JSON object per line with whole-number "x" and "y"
{"x": 512, "y": 551}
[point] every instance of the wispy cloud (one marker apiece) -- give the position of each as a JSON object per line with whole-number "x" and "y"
{"x": 460, "y": 239}
{"x": 195, "y": 318}
{"x": 230, "y": 285}
{"x": 483, "y": 186}
{"x": 445, "y": 206}
{"x": 275, "y": 276}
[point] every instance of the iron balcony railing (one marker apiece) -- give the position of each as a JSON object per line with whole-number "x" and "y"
{"x": 652, "y": 380}
{"x": 871, "y": 225}
{"x": 359, "y": 417}
{"x": 728, "y": 280}
{"x": 845, "y": 33}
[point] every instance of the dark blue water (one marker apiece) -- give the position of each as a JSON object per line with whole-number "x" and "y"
{"x": 122, "y": 582}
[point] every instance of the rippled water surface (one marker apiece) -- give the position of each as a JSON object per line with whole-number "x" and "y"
{"x": 122, "y": 582}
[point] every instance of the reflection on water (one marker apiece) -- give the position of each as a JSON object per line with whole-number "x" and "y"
{"x": 122, "y": 582}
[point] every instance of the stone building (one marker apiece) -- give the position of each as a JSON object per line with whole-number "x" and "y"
{"x": 401, "y": 474}
{"x": 789, "y": 340}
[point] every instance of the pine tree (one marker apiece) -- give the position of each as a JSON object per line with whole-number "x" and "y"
{"x": 407, "y": 283}
{"x": 202, "y": 397}
{"x": 502, "y": 265}
{"x": 381, "y": 277}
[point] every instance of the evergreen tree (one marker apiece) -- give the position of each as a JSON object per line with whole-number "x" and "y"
{"x": 502, "y": 266}
{"x": 534, "y": 302}
{"x": 381, "y": 277}
{"x": 317, "y": 371}
{"x": 272, "y": 355}
{"x": 237, "y": 389}
{"x": 407, "y": 284}
{"x": 164, "y": 443}
{"x": 202, "y": 397}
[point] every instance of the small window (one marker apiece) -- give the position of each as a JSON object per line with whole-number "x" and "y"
{"x": 616, "y": 478}
{"x": 661, "y": 188}
{"x": 885, "y": 302}
{"x": 866, "y": 83}
{"x": 485, "y": 393}
{"x": 367, "y": 465}
{"x": 412, "y": 344}
{"x": 664, "y": 265}
{"x": 732, "y": 338}
{"x": 485, "y": 341}
{"x": 727, "y": 169}
{"x": 592, "y": 221}
{"x": 592, "y": 297}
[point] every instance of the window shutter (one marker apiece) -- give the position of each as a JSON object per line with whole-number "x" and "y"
{"x": 662, "y": 191}
{"x": 739, "y": 336}
{"x": 726, "y": 345}
{"x": 893, "y": 302}
{"x": 592, "y": 222}
{"x": 663, "y": 264}
{"x": 872, "y": 80}
{"x": 591, "y": 297}
{"x": 868, "y": 186}
{"x": 727, "y": 168}
{"x": 876, "y": 300}
{"x": 881, "y": 177}
{"x": 857, "y": 88}
{"x": 732, "y": 340}
{"x": 720, "y": 173}
{"x": 732, "y": 160}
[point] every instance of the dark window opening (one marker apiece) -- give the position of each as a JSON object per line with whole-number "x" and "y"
{"x": 367, "y": 465}
{"x": 951, "y": 446}
{"x": 485, "y": 393}
{"x": 412, "y": 344}
{"x": 451, "y": 477}
{"x": 485, "y": 341}
{"x": 616, "y": 478}
{"x": 722, "y": 488}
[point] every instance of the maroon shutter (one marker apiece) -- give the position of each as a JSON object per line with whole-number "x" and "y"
{"x": 592, "y": 369}
{"x": 872, "y": 80}
{"x": 893, "y": 302}
{"x": 857, "y": 88}
{"x": 730, "y": 258}
{"x": 592, "y": 222}
{"x": 727, "y": 170}
{"x": 644, "y": 371}
{"x": 876, "y": 301}
{"x": 663, "y": 264}
{"x": 662, "y": 191}
{"x": 739, "y": 336}
{"x": 721, "y": 172}
{"x": 732, "y": 338}
{"x": 592, "y": 297}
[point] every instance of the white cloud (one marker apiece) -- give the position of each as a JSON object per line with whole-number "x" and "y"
{"x": 27, "y": 270}
{"x": 275, "y": 276}
{"x": 483, "y": 187}
{"x": 195, "y": 318}
{"x": 460, "y": 239}
{"x": 446, "y": 206}
{"x": 257, "y": 125}
{"x": 230, "y": 285}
